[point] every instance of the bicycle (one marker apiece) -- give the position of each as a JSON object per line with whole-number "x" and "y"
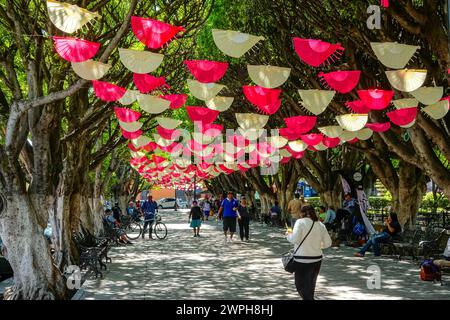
{"x": 134, "y": 228}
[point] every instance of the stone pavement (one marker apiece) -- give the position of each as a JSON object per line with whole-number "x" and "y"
{"x": 184, "y": 267}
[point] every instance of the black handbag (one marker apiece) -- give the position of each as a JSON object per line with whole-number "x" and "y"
{"x": 288, "y": 258}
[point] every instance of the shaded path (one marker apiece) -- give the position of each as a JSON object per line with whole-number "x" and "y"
{"x": 184, "y": 267}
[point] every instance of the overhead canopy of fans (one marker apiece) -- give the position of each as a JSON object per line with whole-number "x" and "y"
{"x": 174, "y": 157}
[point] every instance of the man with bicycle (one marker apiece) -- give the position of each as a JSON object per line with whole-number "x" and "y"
{"x": 148, "y": 209}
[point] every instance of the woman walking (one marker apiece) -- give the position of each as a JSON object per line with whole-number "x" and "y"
{"x": 311, "y": 236}
{"x": 244, "y": 219}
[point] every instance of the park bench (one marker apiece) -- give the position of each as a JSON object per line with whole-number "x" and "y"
{"x": 92, "y": 251}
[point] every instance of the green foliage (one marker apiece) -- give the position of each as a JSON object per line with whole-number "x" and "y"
{"x": 429, "y": 203}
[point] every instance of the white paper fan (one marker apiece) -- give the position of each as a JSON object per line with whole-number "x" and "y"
{"x": 168, "y": 123}
{"x": 68, "y": 17}
{"x": 129, "y": 97}
{"x": 428, "y": 95}
{"x": 438, "y": 110}
{"x": 331, "y": 131}
{"x": 278, "y": 141}
{"x": 152, "y": 104}
{"x": 141, "y": 141}
{"x": 392, "y": 54}
{"x": 268, "y": 76}
{"x": 407, "y": 80}
{"x": 348, "y": 135}
{"x": 140, "y": 61}
{"x": 316, "y": 101}
{"x": 353, "y": 121}
{"x": 234, "y": 43}
{"x": 220, "y": 104}
{"x": 90, "y": 69}
{"x": 249, "y": 121}
{"x": 405, "y": 103}
{"x": 204, "y": 91}
{"x": 297, "y": 146}
{"x": 131, "y": 126}
{"x": 364, "y": 134}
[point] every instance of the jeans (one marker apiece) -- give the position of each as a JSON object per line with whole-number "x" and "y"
{"x": 148, "y": 223}
{"x": 244, "y": 226}
{"x": 375, "y": 242}
{"x": 306, "y": 277}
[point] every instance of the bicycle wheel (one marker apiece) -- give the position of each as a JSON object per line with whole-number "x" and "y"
{"x": 160, "y": 230}
{"x": 133, "y": 230}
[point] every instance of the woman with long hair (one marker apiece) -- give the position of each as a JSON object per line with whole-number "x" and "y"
{"x": 311, "y": 236}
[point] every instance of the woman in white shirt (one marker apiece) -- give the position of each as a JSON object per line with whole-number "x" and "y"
{"x": 313, "y": 237}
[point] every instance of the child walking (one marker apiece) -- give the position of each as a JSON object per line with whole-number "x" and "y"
{"x": 196, "y": 215}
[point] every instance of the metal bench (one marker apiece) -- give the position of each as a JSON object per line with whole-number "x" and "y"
{"x": 91, "y": 253}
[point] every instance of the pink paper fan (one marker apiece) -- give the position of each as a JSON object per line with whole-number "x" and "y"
{"x": 107, "y": 91}
{"x": 357, "y": 106}
{"x": 238, "y": 141}
{"x": 170, "y": 134}
{"x": 295, "y": 154}
{"x": 285, "y": 160}
{"x": 126, "y": 115}
{"x": 376, "y": 99}
{"x": 173, "y": 147}
{"x": 132, "y": 147}
{"x": 147, "y": 83}
{"x": 195, "y": 146}
{"x": 301, "y": 124}
{"x": 158, "y": 159}
{"x": 242, "y": 169}
{"x": 206, "y": 71}
{"x": 341, "y": 81}
{"x": 211, "y": 129}
{"x": 176, "y": 100}
{"x": 270, "y": 108}
{"x": 402, "y": 117}
{"x": 355, "y": 140}
{"x": 203, "y": 115}
{"x": 260, "y": 96}
{"x": 131, "y": 135}
{"x": 153, "y": 33}
{"x": 150, "y": 146}
{"x": 290, "y": 133}
{"x": 316, "y": 52}
{"x": 379, "y": 127}
{"x": 330, "y": 142}
{"x": 74, "y": 49}
{"x": 312, "y": 139}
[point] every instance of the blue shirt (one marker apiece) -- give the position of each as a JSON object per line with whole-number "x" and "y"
{"x": 149, "y": 208}
{"x": 349, "y": 205}
{"x": 331, "y": 215}
{"x": 228, "y": 206}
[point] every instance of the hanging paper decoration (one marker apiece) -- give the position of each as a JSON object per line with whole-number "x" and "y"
{"x": 347, "y": 136}
{"x": 160, "y": 141}
{"x": 316, "y": 101}
{"x": 297, "y": 146}
{"x": 140, "y": 61}
{"x": 132, "y": 147}
{"x": 341, "y": 81}
{"x": 268, "y": 76}
{"x": 201, "y": 138}
{"x": 364, "y": 134}
{"x": 107, "y": 91}
{"x": 90, "y": 69}
{"x": 317, "y": 52}
{"x": 220, "y": 104}
{"x": 130, "y": 126}
{"x": 438, "y": 110}
{"x": 233, "y": 43}
{"x": 402, "y": 117}
{"x": 153, "y": 33}
{"x": 405, "y": 103}
{"x": 376, "y": 99}
{"x": 171, "y": 134}
{"x": 152, "y": 104}
{"x": 331, "y": 131}
{"x": 290, "y": 133}
{"x": 129, "y": 97}
{"x": 147, "y": 83}
{"x": 211, "y": 129}
{"x": 68, "y": 17}
{"x": 126, "y": 115}
{"x": 301, "y": 124}
{"x": 204, "y": 91}
{"x": 131, "y": 135}
{"x": 379, "y": 127}
{"x": 392, "y": 54}
{"x": 428, "y": 95}
{"x": 206, "y": 71}
{"x": 278, "y": 141}
{"x": 406, "y": 80}
{"x": 74, "y": 49}
{"x": 168, "y": 123}
{"x": 176, "y": 100}
{"x": 330, "y": 142}
{"x": 353, "y": 121}
{"x": 266, "y": 100}
{"x": 251, "y": 120}
{"x": 312, "y": 139}
{"x": 203, "y": 115}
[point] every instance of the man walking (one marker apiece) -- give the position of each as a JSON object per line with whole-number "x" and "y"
{"x": 228, "y": 209}
{"x": 148, "y": 209}
{"x": 294, "y": 207}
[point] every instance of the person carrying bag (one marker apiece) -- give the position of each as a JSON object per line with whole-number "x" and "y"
{"x": 309, "y": 236}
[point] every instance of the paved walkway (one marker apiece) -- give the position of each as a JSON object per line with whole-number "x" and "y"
{"x": 184, "y": 267}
